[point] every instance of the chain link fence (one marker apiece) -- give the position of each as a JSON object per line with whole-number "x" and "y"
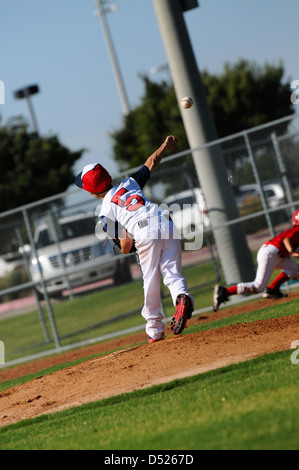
{"x": 51, "y": 258}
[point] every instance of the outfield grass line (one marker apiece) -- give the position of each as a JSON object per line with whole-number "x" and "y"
{"x": 88, "y": 342}
{"x": 237, "y": 300}
{"x": 72, "y": 346}
{"x": 231, "y": 320}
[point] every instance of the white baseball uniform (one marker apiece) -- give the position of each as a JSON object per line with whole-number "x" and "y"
{"x": 273, "y": 255}
{"x": 157, "y": 242}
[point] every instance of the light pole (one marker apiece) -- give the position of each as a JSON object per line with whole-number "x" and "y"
{"x": 116, "y": 69}
{"x": 26, "y": 93}
{"x": 234, "y": 253}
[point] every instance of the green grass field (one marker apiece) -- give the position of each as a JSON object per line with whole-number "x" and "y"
{"x": 251, "y": 405}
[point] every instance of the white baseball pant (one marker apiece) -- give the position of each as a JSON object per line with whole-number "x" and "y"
{"x": 268, "y": 259}
{"x": 159, "y": 252}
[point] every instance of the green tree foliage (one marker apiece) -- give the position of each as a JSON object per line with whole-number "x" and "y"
{"x": 146, "y": 126}
{"x": 32, "y": 167}
{"x": 246, "y": 95}
{"x": 243, "y": 96}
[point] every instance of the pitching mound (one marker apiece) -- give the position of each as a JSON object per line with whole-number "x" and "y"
{"x": 141, "y": 366}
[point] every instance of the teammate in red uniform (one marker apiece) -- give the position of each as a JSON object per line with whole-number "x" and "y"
{"x": 275, "y": 254}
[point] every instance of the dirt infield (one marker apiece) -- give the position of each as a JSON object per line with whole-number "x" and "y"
{"x": 143, "y": 365}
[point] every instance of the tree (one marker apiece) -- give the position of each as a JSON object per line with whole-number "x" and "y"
{"x": 32, "y": 167}
{"x": 246, "y": 95}
{"x": 243, "y": 96}
{"x": 145, "y": 127}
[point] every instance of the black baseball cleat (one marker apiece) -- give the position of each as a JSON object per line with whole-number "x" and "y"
{"x": 183, "y": 312}
{"x": 220, "y": 296}
{"x": 273, "y": 294}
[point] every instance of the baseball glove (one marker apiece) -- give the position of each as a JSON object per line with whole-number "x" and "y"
{"x": 112, "y": 229}
{"x": 117, "y": 247}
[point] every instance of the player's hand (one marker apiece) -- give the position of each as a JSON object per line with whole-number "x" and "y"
{"x": 294, "y": 254}
{"x": 171, "y": 142}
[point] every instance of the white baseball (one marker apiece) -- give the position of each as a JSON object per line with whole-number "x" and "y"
{"x": 187, "y": 102}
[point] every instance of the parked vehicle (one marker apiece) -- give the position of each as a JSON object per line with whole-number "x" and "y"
{"x": 78, "y": 247}
{"x": 9, "y": 263}
{"x": 187, "y": 208}
{"x": 273, "y": 192}
{"x": 183, "y": 204}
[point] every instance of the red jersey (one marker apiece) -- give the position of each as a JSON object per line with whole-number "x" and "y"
{"x": 292, "y": 234}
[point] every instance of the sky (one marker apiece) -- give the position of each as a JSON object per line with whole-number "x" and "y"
{"x": 59, "y": 45}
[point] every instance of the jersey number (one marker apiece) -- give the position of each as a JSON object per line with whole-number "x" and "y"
{"x": 128, "y": 203}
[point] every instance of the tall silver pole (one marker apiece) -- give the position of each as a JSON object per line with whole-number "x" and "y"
{"x": 113, "y": 58}
{"x": 235, "y": 256}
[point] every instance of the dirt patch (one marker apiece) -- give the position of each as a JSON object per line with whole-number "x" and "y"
{"x": 137, "y": 367}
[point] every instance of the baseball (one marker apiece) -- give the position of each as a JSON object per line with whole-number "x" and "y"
{"x": 187, "y": 102}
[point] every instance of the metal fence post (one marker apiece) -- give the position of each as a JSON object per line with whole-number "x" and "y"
{"x": 282, "y": 170}
{"x": 52, "y": 224}
{"x": 38, "y": 305}
{"x": 258, "y": 182}
{"x": 45, "y": 293}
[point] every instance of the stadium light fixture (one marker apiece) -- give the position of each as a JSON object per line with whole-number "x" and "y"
{"x": 26, "y": 93}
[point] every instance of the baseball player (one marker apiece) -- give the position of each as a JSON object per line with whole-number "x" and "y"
{"x": 275, "y": 254}
{"x": 141, "y": 226}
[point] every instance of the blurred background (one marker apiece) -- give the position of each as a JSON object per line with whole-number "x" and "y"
{"x": 60, "y": 46}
